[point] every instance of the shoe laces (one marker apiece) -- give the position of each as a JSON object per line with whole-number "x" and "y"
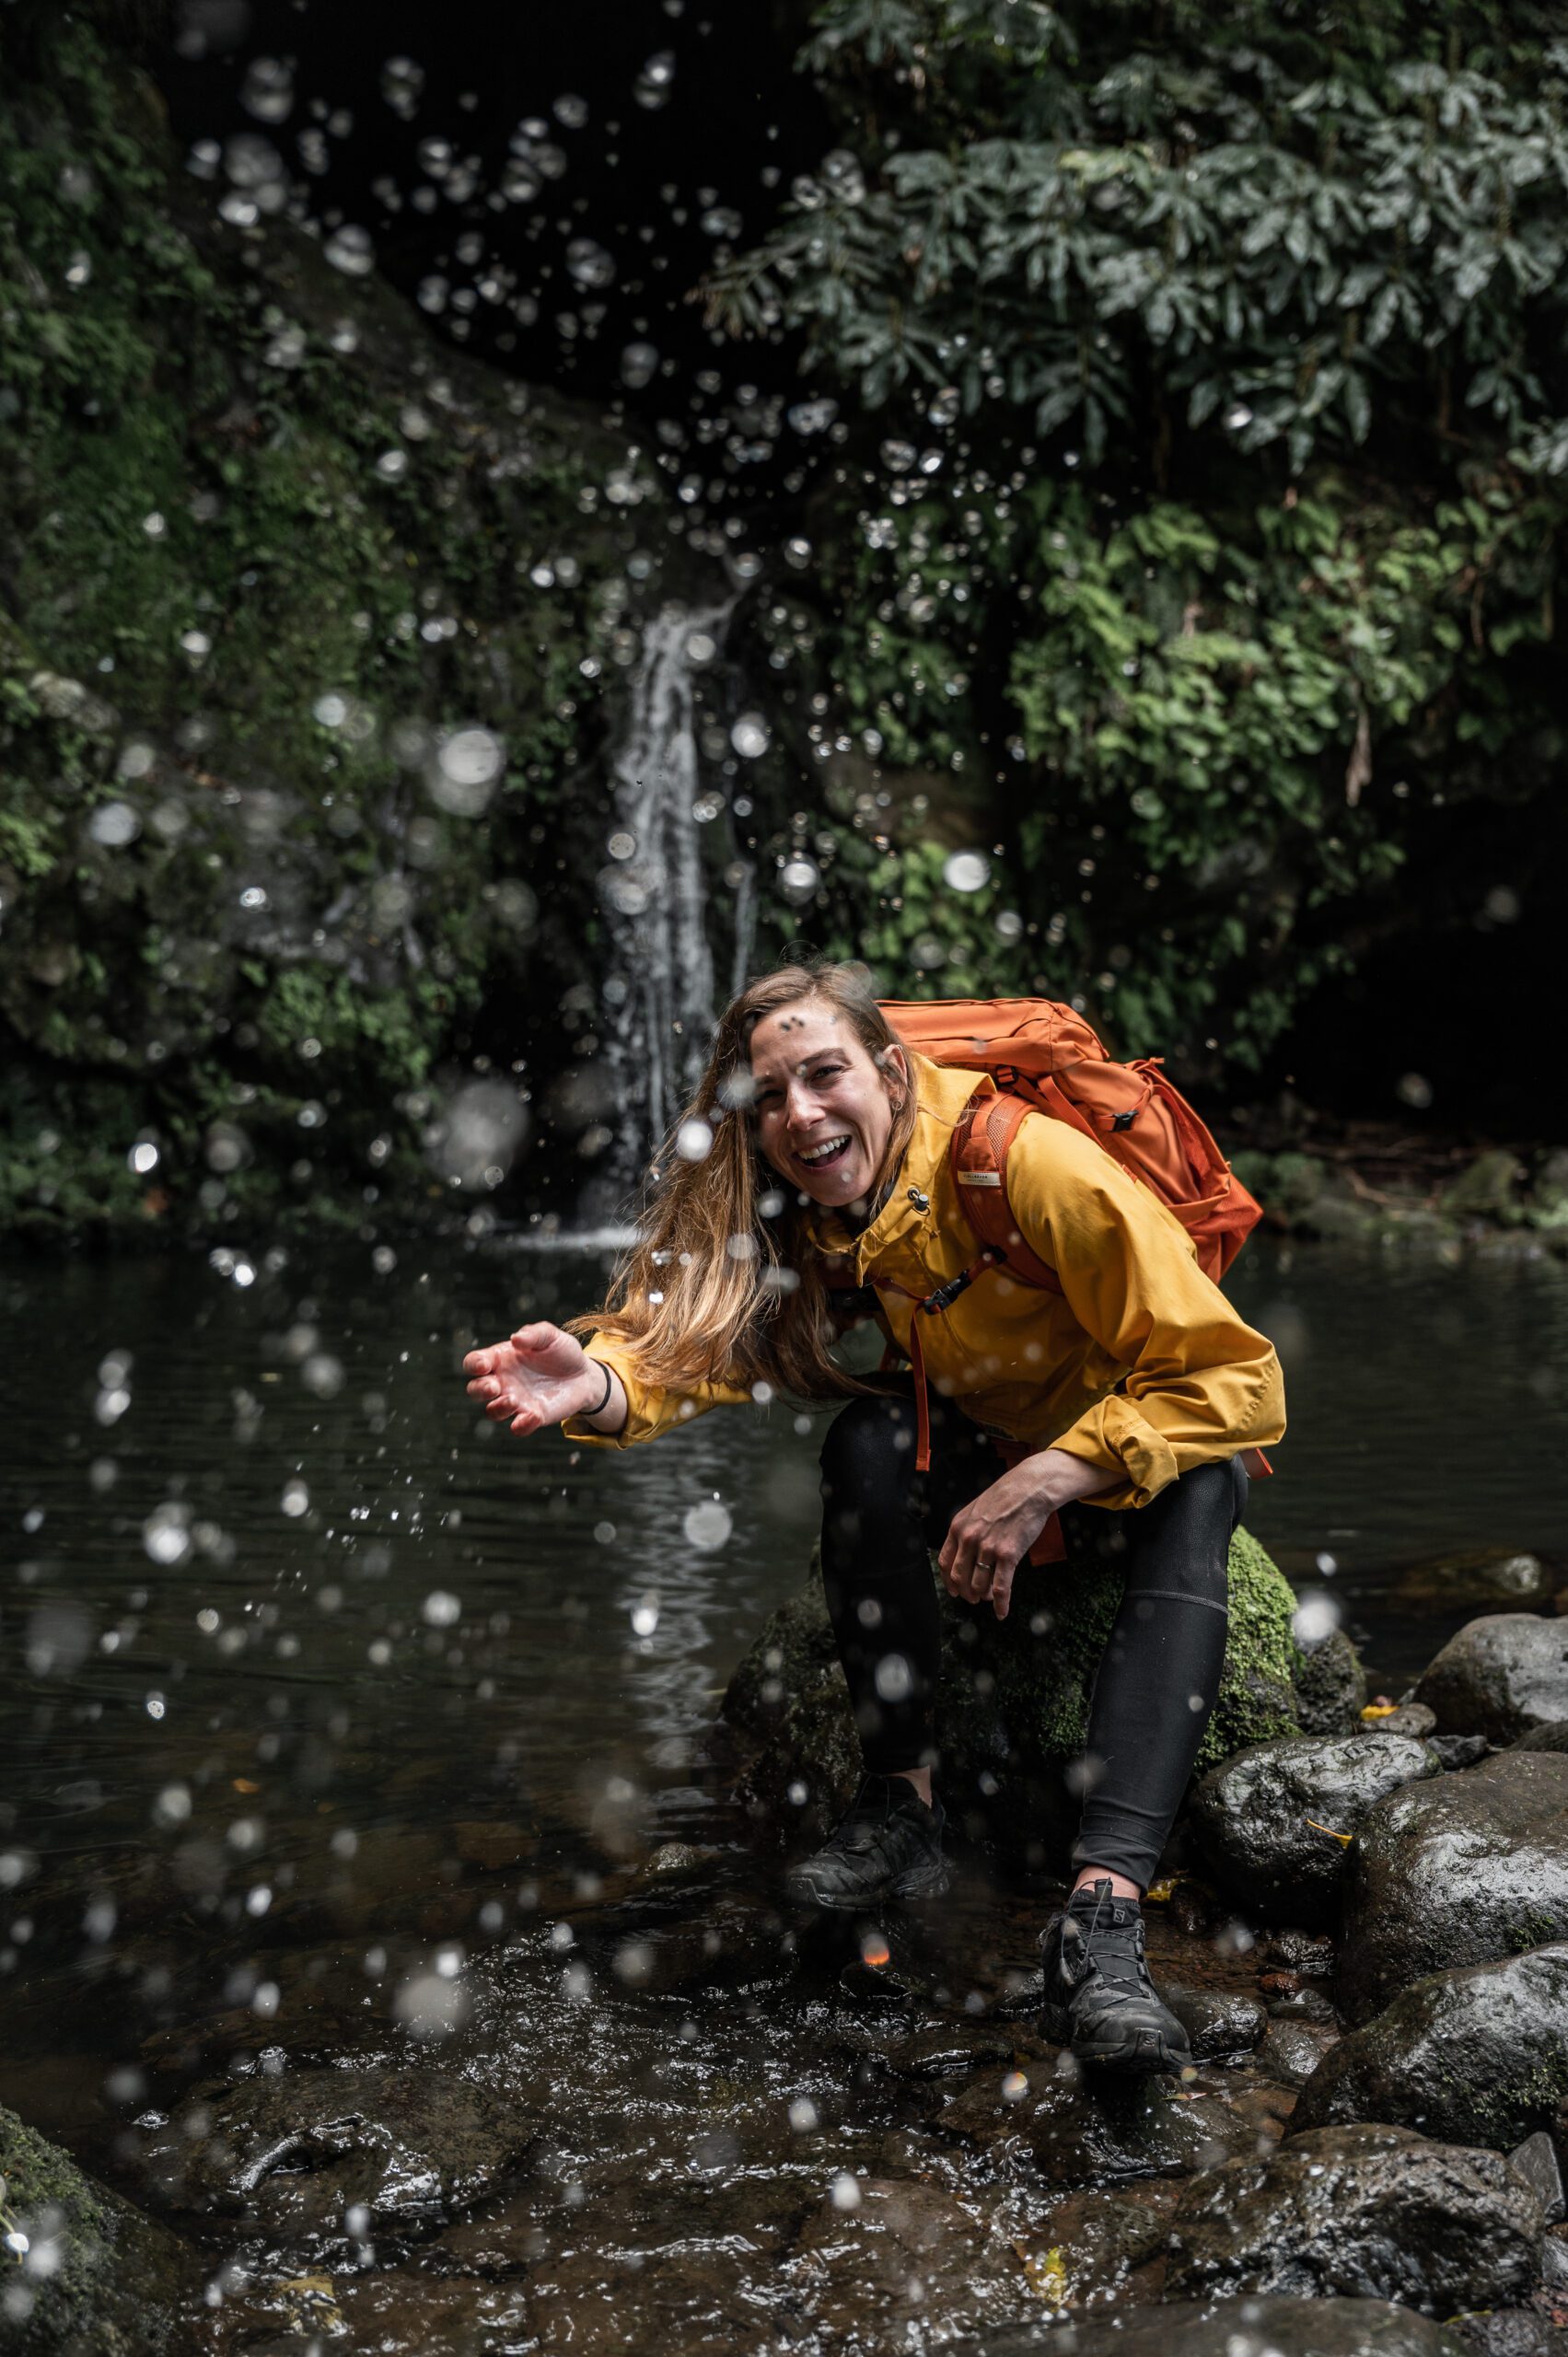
{"x": 1113, "y": 1948}
{"x": 869, "y": 1815}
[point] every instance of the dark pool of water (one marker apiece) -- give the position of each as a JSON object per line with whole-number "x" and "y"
{"x": 312, "y": 1675}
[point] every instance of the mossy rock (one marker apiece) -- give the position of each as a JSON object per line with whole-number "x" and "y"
{"x": 1013, "y": 1702}
{"x": 97, "y": 2279}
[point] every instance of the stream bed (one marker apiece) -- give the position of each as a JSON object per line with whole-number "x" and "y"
{"x": 351, "y": 1747}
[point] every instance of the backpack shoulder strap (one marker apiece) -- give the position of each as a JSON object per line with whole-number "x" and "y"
{"x": 978, "y": 1160}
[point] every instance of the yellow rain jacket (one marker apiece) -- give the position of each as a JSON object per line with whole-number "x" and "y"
{"x": 1140, "y": 1366}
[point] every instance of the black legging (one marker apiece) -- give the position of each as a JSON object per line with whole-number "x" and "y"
{"x": 1159, "y": 1673}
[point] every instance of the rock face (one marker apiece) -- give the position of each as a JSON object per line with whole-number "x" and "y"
{"x": 1478, "y": 2055}
{"x": 96, "y": 2276}
{"x": 1272, "y": 1821}
{"x": 1248, "y": 2328}
{"x": 1373, "y": 2212}
{"x": 1502, "y": 1675}
{"x": 1463, "y": 1870}
{"x": 1013, "y": 1704}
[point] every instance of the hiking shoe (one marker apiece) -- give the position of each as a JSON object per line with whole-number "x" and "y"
{"x": 888, "y": 1844}
{"x": 1098, "y": 1996}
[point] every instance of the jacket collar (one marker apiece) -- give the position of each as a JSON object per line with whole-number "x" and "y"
{"x": 920, "y": 1184}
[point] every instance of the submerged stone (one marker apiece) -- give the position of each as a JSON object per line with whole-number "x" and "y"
{"x": 1269, "y": 2327}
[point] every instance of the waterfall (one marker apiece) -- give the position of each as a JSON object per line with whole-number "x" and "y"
{"x": 658, "y": 990}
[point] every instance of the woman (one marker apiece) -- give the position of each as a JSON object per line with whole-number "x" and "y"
{"x": 817, "y": 1136}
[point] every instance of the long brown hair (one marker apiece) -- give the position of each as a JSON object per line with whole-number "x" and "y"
{"x": 722, "y": 1281}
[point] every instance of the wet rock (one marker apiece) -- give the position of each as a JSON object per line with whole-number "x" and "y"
{"x": 1292, "y": 2050}
{"x": 863, "y": 2277}
{"x": 1552, "y": 1736}
{"x": 1307, "y": 1953}
{"x": 1073, "y": 2132}
{"x": 1455, "y": 1751}
{"x": 1089, "y": 2251}
{"x": 1537, "y": 2162}
{"x": 1409, "y": 1718}
{"x": 289, "y": 2153}
{"x": 1302, "y": 2004}
{"x": 1330, "y": 1686}
{"x": 1223, "y": 2026}
{"x": 1462, "y": 1870}
{"x": 1501, "y": 1677}
{"x": 1273, "y": 2327}
{"x": 1512, "y": 2332}
{"x": 1013, "y": 1702}
{"x": 1478, "y": 2055}
{"x": 1497, "y": 1577}
{"x": 950, "y": 2053}
{"x": 1373, "y": 2212}
{"x": 1273, "y": 1822}
{"x": 96, "y": 2276}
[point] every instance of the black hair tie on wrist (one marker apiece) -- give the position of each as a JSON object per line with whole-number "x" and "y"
{"x": 609, "y": 1378}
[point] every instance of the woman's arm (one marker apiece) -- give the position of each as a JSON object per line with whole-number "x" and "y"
{"x": 541, "y": 1376}
{"x": 1201, "y": 1384}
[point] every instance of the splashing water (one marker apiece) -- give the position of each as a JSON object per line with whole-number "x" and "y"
{"x": 661, "y": 976}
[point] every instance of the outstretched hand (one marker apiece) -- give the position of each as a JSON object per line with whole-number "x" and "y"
{"x": 538, "y": 1377}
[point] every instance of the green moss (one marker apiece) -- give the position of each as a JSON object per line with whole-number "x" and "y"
{"x": 118, "y": 2284}
{"x": 268, "y": 543}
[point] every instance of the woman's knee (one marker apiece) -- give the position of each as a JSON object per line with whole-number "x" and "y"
{"x": 868, "y": 1443}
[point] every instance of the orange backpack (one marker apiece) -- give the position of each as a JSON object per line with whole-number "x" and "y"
{"x": 1046, "y": 1058}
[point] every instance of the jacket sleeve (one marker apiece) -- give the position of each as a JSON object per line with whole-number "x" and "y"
{"x": 1199, "y": 1385}
{"x": 649, "y": 1409}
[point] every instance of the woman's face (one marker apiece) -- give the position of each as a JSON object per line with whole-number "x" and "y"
{"x": 822, "y": 1109}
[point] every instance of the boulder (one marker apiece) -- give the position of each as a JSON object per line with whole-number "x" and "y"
{"x": 95, "y": 2279}
{"x": 1248, "y": 2328}
{"x": 1330, "y": 1686}
{"x": 1499, "y": 1577}
{"x": 1501, "y": 1677}
{"x": 1476, "y": 2056}
{"x": 1459, "y": 1870}
{"x": 288, "y": 2154}
{"x": 1552, "y": 1736}
{"x": 1373, "y": 2212}
{"x": 1273, "y": 1822}
{"x": 1013, "y": 1704}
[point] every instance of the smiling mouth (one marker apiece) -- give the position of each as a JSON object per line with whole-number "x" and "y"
{"x": 825, "y": 1158}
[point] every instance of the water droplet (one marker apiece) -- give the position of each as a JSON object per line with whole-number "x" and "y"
{"x": 467, "y": 765}
{"x": 693, "y": 1140}
{"x": 966, "y": 871}
{"x": 295, "y": 1500}
{"x": 166, "y": 1533}
{"x": 352, "y": 250}
{"x": 1317, "y": 1616}
{"x": 113, "y": 824}
{"x": 441, "y": 1608}
{"x": 267, "y": 91}
{"x": 639, "y": 364}
{"x": 403, "y": 84}
{"x": 706, "y": 1525}
{"x": 654, "y": 84}
{"x": 846, "y": 2192}
{"x": 588, "y": 264}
